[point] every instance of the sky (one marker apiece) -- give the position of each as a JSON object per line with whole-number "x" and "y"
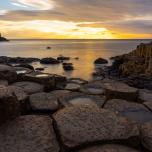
{"x": 76, "y": 19}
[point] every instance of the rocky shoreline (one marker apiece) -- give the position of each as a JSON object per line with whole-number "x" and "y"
{"x": 44, "y": 112}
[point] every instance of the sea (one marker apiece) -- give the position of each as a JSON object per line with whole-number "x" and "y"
{"x": 86, "y": 50}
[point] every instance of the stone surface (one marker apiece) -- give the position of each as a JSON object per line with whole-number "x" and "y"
{"x": 145, "y": 95}
{"x": 49, "y": 61}
{"x": 100, "y": 61}
{"x": 9, "y": 105}
{"x": 148, "y": 105}
{"x": 134, "y": 111}
{"x": 43, "y": 102}
{"x": 72, "y": 87}
{"x": 77, "y": 81}
{"x": 86, "y": 124}
{"x": 29, "y": 87}
{"x": 77, "y": 99}
{"x": 118, "y": 90}
{"x": 28, "y": 134}
{"x": 146, "y": 135}
{"x": 109, "y": 148}
{"x": 22, "y": 70}
{"x": 4, "y": 82}
{"x": 7, "y": 73}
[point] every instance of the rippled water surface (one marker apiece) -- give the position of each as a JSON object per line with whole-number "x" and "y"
{"x": 86, "y": 50}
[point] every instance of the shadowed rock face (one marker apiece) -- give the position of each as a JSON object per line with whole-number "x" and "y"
{"x": 43, "y": 102}
{"x": 29, "y": 87}
{"x": 86, "y": 124}
{"x": 146, "y": 135}
{"x": 131, "y": 110}
{"x": 28, "y": 134}
{"x": 9, "y": 105}
{"x": 109, "y": 148}
{"x": 7, "y": 73}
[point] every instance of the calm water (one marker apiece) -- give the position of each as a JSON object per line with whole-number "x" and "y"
{"x": 86, "y": 50}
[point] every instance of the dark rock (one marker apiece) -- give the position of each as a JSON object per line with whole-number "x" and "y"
{"x": 9, "y": 105}
{"x": 63, "y": 58}
{"x": 133, "y": 111}
{"x": 146, "y": 135}
{"x": 49, "y": 61}
{"x": 109, "y": 148}
{"x": 7, "y": 73}
{"x": 100, "y": 61}
{"x": 81, "y": 125}
{"x": 48, "y": 47}
{"x": 28, "y": 66}
{"x": 28, "y": 134}
{"x": 64, "y": 64}
{"x": 39, "y": 69}
{"x": 68, "y": 67}
{"x": 118, "y": 90}
{"x": 44, "y": 102}
{"x": 29, "y": 87}
{"x": 4, "y": 82}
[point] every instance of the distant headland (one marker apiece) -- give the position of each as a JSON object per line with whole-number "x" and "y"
{"x": 3, "y": 39}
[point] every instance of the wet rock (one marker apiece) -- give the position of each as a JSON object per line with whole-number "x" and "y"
{"x": 39, "y": 69}
{"x": 49, "y": 61}
{"x": 134, "y": 111}
{"x": 9, "y": 105}
{"x": 22, "y": 97}
{"x": 28, "y": 134}
{"x": 146, "y": 135}
{"x": 27, "y": 66}
{"x": 44, "y": 102}
{"x": 4, "y": 82}
{"x": 29, "y": 87}
{"x": 76, "y": 99}
{"x": 63, "y": 58}
{"x": 77, "y": 81}
{"x": 109, "y": 148}
{"x": 72, "y": 87}
{"x": 21, "y": 70}
{"x": 118, "y": 90}
{"x": 68, "y": 67}
{"x": 145, "y": 95}
{"x": 7, "y": 73}
{"x": 100, "y": 61}
{"x": 88, "y": 124}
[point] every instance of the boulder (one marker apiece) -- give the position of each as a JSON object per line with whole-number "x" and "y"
{"x": 81, "y": 125}
{"x": 44, "y": 102}
{"x": 68, "y": 67}
{"x": 22, "y": 97}
{"x": 76, "y": 99}
{"x": 49, "y": 61}
{"x": 72, "y": 87}
{"x": 133, "y": 111}
{"x": 28, "y": 134}
{"x": 7, "y": 73}
{"x": 145, "y": 95}
{"x": 118, "y": 90}
{"x": 29, "y": 87}
{"x": 9, "y": 105}
{"x": 100, "y": 61}
{"x": 146, "y": 135}
{"x": 109, "y": 148}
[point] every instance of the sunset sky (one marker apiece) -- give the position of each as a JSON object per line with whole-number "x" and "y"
{"x": 86, "y": 19}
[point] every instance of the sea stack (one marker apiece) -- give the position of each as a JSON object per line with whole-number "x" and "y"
{"x": 3, "y": 39}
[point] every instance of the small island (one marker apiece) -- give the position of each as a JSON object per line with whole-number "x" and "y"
{"x": 3, "y": 39}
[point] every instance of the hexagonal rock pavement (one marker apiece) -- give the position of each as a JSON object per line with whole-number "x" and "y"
{"x": 7, "y": 73}
{"x": 87, "y": 124}
{"x": 28, "y": 134}
{"x": 109, "y": 148}
{"x": 118, "y": 90}
{"x": 131, "y": 110}
{"x": 146, "y": 135}
{"x": 9, "y": 105}
{"x": 77, "y": 99}
{"x": 145, "y": 95}
{"x": 29, "y": 87}
{"x": 43, "y": 102}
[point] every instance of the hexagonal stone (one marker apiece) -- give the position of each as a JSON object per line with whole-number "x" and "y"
{"x": 43, "y": 102}
{"x": 76, "y": 99}
{"x": 146, "y": 135}
{"x": 29, "y": 87}
{"x": 9, "y": 105}
{"x": 88, "y": 124}
{"x": 109, "y": 148}
{"x": 28, "y": 134}
{"x": 134, "y": 111}
{"x": 118, "y": 90}
{"x": 145, "y": 95}
{"x": 7, "y": 73}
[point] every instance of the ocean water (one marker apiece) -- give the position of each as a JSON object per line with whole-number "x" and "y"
{"x": 86, "y": 50}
